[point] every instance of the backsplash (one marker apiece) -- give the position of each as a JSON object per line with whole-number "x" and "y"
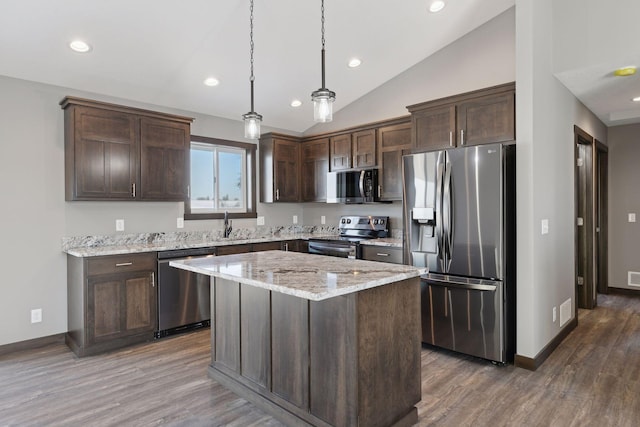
{"x": 192, "y": 236}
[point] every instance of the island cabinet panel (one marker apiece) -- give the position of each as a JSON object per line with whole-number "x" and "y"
{"x": 111, "y": 301}
{"x": 388, "y": 354}
{"x": 290, "y": 349}
{"x": 164, "y": 146}
{"x": 393, "y": 142}
{"x": 226, "y": 324}
{"x": 255, "y": 334}
{"x": 333, "y": 372}
{"x": 350, "y": 360}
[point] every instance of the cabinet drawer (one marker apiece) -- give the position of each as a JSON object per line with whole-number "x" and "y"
{"x": 382, "y": 254}
{"x": 233, "y": 249}
{"x": 121, "y": 263}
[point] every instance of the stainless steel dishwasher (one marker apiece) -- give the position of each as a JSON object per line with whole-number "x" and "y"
{"x": 183, "y": 296}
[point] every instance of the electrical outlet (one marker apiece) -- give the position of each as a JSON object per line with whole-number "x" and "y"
{"x": 36, "y": 315}
{"x": 323, "y": 219}
{"x": 544, "y": 226}
{"x": 260, "y": 220}
{"x": 554, "y": 315}
{"x": 632, "y": 217}
{"x": 119, "y": 224}
{"x": 180, "y": 222}
{"x": 295, "y": 219}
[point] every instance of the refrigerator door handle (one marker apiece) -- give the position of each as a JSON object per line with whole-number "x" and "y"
{"x": 438, "y": 213}
{"x": 361, "y": 184}
{"x": 447, "y": 215}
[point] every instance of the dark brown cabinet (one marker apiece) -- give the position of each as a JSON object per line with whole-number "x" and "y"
{"x": 120, "y": 153}
{"x": 393, "y": 142}
{"x": 112, "y": 301}
{"x": 164, "y": 149}
{"x": 480, "y": 117}
{"x": 280, "y": 171}
{"x": 315, "y": 165}
{"x": 353, "y": 150}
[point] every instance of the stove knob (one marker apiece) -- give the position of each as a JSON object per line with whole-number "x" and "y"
{"x": 343, "y": 220}
{"x": 348, "y": 220}
{"x": 375, "y": 222}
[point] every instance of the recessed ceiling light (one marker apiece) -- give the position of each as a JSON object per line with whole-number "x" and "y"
{"x": 296, "y": 103}
{"x": 354, "y": 62}
{"x": 625, "y": 71}
{"x": 636, "y": 99}
{"x": 211, "y": 81}
{"x": 80, "y": 46}
{"x": 436, "y": 6}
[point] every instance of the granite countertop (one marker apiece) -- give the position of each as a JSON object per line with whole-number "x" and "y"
{"x": 139, "y": 247}
{"x": 387, "y": 241}
{"x": 312, "y": 277}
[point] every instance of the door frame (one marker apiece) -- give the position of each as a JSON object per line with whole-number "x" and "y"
{"x": 602, "y": 216}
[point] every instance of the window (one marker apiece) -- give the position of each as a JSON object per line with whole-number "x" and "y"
{"x": 222, "y": 178}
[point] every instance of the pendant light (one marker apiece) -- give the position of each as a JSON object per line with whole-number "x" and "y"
{"x": 251, "y": 119}
{"x": 323, "y": 98}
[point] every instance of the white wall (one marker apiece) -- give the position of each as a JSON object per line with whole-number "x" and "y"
{"x": 546, "y": 114}
{"x": 482, "y": 58}
{"x": 624, "y": 176}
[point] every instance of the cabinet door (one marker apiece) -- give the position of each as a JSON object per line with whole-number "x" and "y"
{"x": 364, "y": 149}
{"x": 106, "y": 147}
{"x": 120, "y": 305}
{"x": 164, "y": 148}
{"x": 315, "y": 165}
{"x": 393, "y": 142}
{"x": 434, "y": 128}
{"x": 285, "y": 163}
{"x": 486, "y": 120}
{"x": 340, "y": 152}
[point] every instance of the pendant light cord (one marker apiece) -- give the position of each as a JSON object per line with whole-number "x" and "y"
{"x": 322, "y": 21}
{"x": 252, "y": 78}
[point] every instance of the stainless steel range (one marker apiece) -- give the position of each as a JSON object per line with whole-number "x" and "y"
{"x": 353, "y": 229}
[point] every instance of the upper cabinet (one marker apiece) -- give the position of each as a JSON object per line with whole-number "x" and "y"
{"x": 480, "y": 117}
{"x": 394, "y": 141}
{"x": 120, "y": 153}
{"x": 315, "y": 165}
{"x": 280, "y": 168}
{"x": 353, "y": 150}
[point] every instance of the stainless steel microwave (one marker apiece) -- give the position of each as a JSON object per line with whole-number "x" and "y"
{"x": 353, "y": 186}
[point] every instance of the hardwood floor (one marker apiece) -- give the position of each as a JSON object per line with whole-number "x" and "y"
{"x": 593, "y": 378}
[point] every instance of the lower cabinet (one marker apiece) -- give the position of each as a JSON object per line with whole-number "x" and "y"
{"x": 382, "y": 253}
{"x": 112, "y": 301}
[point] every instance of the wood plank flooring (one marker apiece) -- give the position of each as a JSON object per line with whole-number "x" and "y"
{"x": 593, "y": 378}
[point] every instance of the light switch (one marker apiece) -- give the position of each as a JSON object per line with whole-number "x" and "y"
{"x": 260, "y": 220}
{"x": 632, "y": 217}
{"x": 544, "y": 226}
{"x": 180, "y": 222}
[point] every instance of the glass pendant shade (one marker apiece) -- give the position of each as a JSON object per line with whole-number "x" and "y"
{"x": 252, "y": 125}
{"x": 323, "y": 105}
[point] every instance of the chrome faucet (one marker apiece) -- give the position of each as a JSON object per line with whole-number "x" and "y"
{"x": 227, "y": 225}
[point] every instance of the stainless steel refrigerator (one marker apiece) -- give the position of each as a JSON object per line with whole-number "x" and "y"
{"x": 459, "y": 221}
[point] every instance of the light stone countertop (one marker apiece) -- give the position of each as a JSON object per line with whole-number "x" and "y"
{"x": 312, "y": 277}
{"x": 385, "y": 241}
{"x": 131, "y": 248}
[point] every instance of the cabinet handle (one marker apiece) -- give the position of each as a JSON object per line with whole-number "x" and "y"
{"x": 277, "y": 194}
{"x": 133, "y": 190}
{"x": 381, "y": 254}
{"x": 286, "y": 247}
{"x": 450, "y": 138}
{"x": 188, "y": 191}
{"x": 153, "y": 279}
{"x": 379, "y": 190}
{"x": 123, "y": 264}
{"x": 355, "y": 163}
{"x": 461, "y": 136}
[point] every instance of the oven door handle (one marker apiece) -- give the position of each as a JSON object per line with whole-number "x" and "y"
{"x": 344, "y": 249}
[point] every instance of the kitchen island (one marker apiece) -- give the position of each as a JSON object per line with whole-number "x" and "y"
{"x": 316, "y": 340}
